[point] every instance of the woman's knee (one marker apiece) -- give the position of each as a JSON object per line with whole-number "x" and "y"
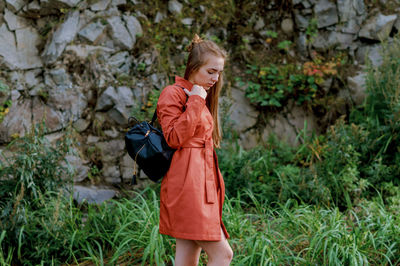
{"x": 229, "y": 254}
{"x": 222, "y": 255}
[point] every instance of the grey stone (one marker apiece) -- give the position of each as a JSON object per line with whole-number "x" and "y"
{"x": 259, "y": 24}
{"x": 280, "y": 127}
{"x": 159, "y": 16}
{"x": 342, "y": 40}
{"x": 287, "y": 25}
{"x": 298, "y": 118}
{"x": 31, "y": 78}
{"x": 125, "y": 96}
{"x": 71, "y": 102}
{"x": 351, "y": 10}
{"x": 119, "y": 33}
{"x": 378, "y": 27}
{"x": 107, "y": 99}
{"x": 242, "y": 113}
{"x": 111, "y": 174}
{"x": 187, "y": 21}
{"x": 112, "y": 133}
{"x": 92, "y": 139}
{"x": 357, "y": 87}
{"x": 174, "y": 7}
{"x": 53, "y": 119}
{"x": 52, "y": 138}
{"x": 61, "y": 37}
{"x": 249, "y": 139}
{"x": 33, "y": 6}
{"x": 86, "y": 17}
{"x": 19, "y": 51}
{"x": 8, "y": 48}
{"x": 111, "y": 11}
{"x": 100, "y": 5}
{"x": 92, "y": 31}
{"x": 81, "y": 125}
{"x": 28, "y": 55}
{"x": 133, "y": 26}
{"x": 68, "y": 3}
{"x": 306, "y": 4}
{"x": 328, "y": 40}
{"x": 371, "y": 53}
{"x": 120, "y": 63}
{"x": 80, "y": 171}
{"x": 15, "y": 5}
{"x": 127, "y": 168}
{"x": 397, "y": 24}
{"x": 92, "y": 194}
{"x": 83, "y": 51}
{"x": 60, "y": 77}
{"x": 326, "y": 14}
{"x": 17, "y": 121}
{"x": 14, "y": 22}
{"x": 119, "y": 2}
{"x": 351, "y": 26}
{"x": 301, "y": 21}
{"x": 111, "y": 151}
{"x": 38, "y": 90}
{"x": 15, "y": 95}
{"x": 119, "y": 114}
{"x": 301, "y": 44}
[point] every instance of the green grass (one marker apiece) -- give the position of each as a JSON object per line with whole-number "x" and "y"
{"x": 125, "y": 232}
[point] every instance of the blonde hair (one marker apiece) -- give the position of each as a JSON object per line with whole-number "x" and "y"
{"x": 198, "y": 51}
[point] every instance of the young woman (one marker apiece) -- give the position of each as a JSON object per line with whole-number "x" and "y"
{"x": 192, "y": 191}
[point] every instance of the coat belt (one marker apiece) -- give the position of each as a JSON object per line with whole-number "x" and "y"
{"x": 194, "y": 143}
{"x": 210, "y": 187}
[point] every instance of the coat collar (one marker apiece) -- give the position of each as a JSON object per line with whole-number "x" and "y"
{"x": 184, "y": 83}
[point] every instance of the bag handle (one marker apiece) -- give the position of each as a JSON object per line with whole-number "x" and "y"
{"x": 155, "y": 111}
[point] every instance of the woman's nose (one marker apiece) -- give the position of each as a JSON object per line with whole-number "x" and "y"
{"x": 214, "y": 78}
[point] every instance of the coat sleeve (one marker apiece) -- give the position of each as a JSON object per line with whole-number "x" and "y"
{"x": 177, "y": 125}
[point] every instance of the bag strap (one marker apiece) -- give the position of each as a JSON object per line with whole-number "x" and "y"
{"x": 155, "y": 111}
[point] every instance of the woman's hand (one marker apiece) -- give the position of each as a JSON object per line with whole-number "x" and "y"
{"x": 197, "y": 90}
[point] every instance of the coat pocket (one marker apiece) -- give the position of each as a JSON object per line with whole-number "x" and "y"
{"x": 210, "y": 191}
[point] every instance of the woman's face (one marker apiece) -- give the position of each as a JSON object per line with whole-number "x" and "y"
{"x": 207, "y": 75}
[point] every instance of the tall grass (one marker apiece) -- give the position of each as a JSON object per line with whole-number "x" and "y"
{"x": 33, "y": 168}
{"x": 295, "y": 234}
{"x": 125, "y": 232}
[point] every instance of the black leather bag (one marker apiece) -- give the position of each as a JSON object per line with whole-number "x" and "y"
{"x": 146, "y": 145}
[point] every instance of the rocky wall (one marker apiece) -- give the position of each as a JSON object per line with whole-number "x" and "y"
{"x": 70, "y": 61}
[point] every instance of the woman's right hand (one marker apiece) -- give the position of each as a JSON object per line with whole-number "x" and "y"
{"x": 197, "y": 90}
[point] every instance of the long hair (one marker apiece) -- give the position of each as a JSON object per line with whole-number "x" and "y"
{"x": 198, "y": 49}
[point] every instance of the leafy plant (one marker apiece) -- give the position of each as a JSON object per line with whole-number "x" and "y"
{"x": 284, "y": 45}
{"x": 273, "y": 85}
{"x": 32, "y": 169}
{"x": 312, "y": 30}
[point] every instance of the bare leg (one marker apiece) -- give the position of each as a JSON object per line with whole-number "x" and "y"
{"x": 187, "y": 252}
{"x": 219, "y": 252}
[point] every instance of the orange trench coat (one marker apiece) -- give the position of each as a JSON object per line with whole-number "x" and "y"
{"x": 192, "y": 191}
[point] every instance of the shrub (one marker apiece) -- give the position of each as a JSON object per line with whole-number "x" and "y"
{"x": 32, "y": 169}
